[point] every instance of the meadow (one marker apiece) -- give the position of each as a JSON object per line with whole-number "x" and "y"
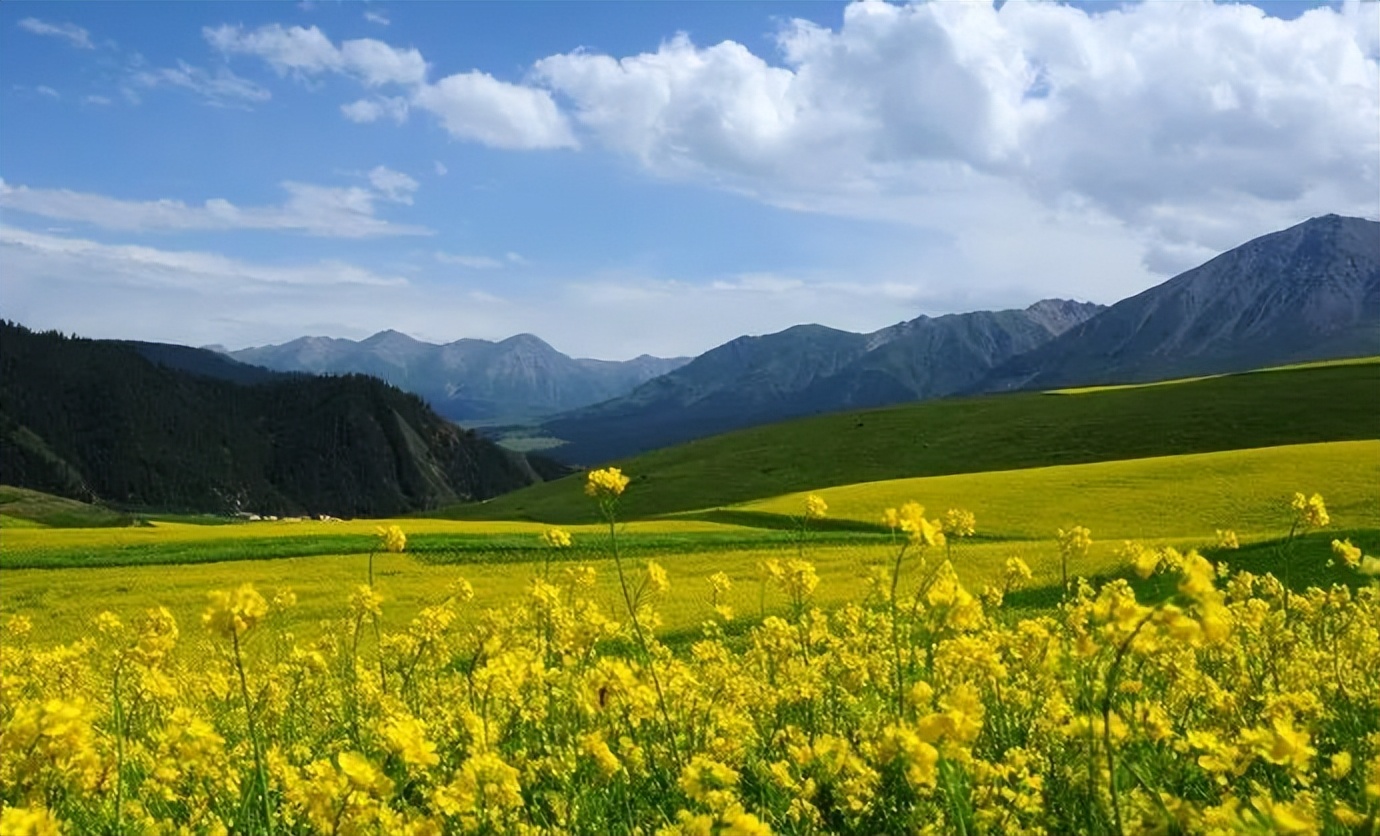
{"x": 61, "y": 578}
{"x": 1296, "y": 405}
{"x": 1167, "y": 644}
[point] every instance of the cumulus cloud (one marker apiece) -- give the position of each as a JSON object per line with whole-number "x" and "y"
{"x": 393, "y": 185}
{"x": 70, "y": 32}
{"x": 1194, "y": 124}
{"x": 1188, "y": 127}
{"x": 379, "y": 107}
{"x": 306, "y": 51}
{"x": 341, "y": 212}
{"x": 479, "y": 107}
{"x": 472, "y": 106}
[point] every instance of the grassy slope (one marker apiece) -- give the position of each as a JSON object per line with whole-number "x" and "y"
{"x": 1184, "y": 498}
{"x": 971, "y": 435}
{"x": 23, "y": 508}
{"x": 1246, "y": 490}
{"x": 172, "y": 543}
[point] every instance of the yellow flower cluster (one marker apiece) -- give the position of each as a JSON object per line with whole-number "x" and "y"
{"x": 815, "y": 507}
{"x": 391, "y": 539}
{"x": 556, "y": 538}
{"x": 910, "y": 520}
{"x": 1310, "y": 511}
{"x": 959, "y": 522}
{"x": 1230, "y": 704}
{"x": 607, "y": 483}
{"x": 234, "y": 613}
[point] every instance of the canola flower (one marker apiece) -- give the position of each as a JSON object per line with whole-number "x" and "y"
{"x": 1310, "y": 512}
{"x": 1074, "y": 543}
{"x": 231, "y": 614}
{"x": 391, "y": 539}
{"x": 607, "y": 483}
{"x": 556, "y": 538}
{"x": 928, "y": 709}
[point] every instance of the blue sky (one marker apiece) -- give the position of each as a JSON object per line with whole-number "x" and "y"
{"x": 622, "y": 178}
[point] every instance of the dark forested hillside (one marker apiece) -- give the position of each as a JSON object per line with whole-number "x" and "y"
{"x": 100, "y": 420}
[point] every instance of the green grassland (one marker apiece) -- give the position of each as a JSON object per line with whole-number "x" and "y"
{"x": 23, "y": 508}
{"x": 1166, "y": 464}
{"x": 1316, "y": 403}
{"x": 443, "y": 541}
{"x": 1177, "y": 500}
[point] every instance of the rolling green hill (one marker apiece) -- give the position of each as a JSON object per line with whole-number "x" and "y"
{"x": 1244, "y": 490}
{"x": 970, "y": 435}
{"x": 23, "y": 508}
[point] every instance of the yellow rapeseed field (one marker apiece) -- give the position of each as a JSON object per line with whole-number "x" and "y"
{"x": 1137, "y": 498}
{"x": 919, "y": 703}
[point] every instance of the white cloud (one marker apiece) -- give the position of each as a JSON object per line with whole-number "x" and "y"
{"x": 45, "y": 90}
{"x": 440, "y": 169}
{"x": 70, "y": 32}
{"x": 221, "y": 88}
{"x": 101, "y": 101}
{"x": 473, "y": 262}
{"x": 477, "y": 106}
{"x": 393, "y": 185}
{"x": 471, "y": 106}
{"x": 186, "y": 297}
{"x": 32, "y": 254}
{"x": 1193, "y": 125}
{"x": 374, "y": 16}
{"x": 315, "y": 210}
{"x": 371, "y": 110}
{"x": 307, "y": 52}
{"x": 196, "y": 298}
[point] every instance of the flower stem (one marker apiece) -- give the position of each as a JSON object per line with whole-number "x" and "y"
{"x": 253, "y": 735}
{"x": 641, "y": 637}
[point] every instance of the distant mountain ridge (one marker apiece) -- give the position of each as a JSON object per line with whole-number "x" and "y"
{"x": 805, "y": 370}
{"x": 1309, "y": 292}
{"x": 153, "y": 426}
{"x": 469, "y": 380}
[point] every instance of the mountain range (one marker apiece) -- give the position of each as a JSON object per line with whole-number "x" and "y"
{"x": 165, "y": 427}
{"x": 1308, "y": 292}
{"x": 805, "y": 370}
{"x": 469, "y": 381}
{"x": 150, "y": 425}
{"x": 1311, "y": 291}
